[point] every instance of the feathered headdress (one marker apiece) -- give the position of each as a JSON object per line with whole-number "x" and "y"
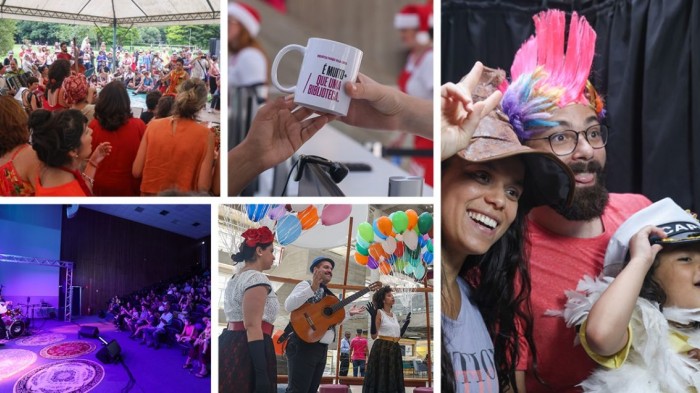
{"x": 545, "y": 77}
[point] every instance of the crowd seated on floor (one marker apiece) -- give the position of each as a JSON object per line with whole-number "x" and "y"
{"x": 176, "y": 313}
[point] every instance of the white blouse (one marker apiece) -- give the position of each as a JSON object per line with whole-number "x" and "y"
{"x": 390, "y": 325}
{"x": 236, "y": 287}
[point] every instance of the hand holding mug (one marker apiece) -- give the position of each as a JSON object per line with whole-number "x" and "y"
{"x": 326, "y": 67}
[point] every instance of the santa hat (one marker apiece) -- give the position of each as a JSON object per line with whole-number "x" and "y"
{"x": 416, "y": 16}
{"x": 247, "y": 16}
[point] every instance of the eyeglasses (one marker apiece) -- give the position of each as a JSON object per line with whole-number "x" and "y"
{"x": 565, "y": 142}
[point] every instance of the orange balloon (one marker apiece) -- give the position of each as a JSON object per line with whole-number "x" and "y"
{"x": 385, "y": 226}
{"x": 361, "y": 259}
{"x": 308, "y": 217}
{"x": 377, "y": 252}
{"x": 412, "y": 218}
{"x": 384, "y": 267}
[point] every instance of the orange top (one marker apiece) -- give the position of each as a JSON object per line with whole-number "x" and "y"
{"x": 11, "y": 184}
{"x": 175, "y": 149}
{"x": 71, "y": 188}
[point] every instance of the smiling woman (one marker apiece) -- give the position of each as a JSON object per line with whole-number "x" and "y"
{"x": 488, "y": 187}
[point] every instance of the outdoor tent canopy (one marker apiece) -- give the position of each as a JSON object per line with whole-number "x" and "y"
{"x": 112, "y": 12}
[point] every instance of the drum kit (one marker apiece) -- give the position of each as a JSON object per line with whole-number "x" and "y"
{"x": 15, "y": 321}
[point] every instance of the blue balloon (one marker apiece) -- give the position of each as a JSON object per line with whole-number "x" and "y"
{"x": 256, "y": 212}
{"x": 428, "y": 257}
{"x": 377, "y": 231}
{"x": 288, "y": 229}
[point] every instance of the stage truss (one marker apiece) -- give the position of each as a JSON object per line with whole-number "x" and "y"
{"x": 68, "y": 282}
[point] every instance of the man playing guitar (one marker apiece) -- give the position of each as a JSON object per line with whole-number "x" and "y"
{"x": 307, "y": 360}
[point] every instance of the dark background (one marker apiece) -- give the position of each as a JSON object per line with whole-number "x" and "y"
{"x": 647, "y": 67}
{"x": 114, "y": 256}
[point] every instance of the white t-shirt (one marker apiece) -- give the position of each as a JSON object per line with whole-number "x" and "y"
{"x": 248, "y": 67}
{"x": 469, "y": 346}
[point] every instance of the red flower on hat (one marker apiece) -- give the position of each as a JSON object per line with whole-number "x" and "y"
{"x": 255, "y": 236}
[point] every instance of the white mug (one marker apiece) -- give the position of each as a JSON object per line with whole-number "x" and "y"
{"x": 327, "y": 65}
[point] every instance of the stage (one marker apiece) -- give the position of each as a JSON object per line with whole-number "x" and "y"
{"x": 54, "y": 358}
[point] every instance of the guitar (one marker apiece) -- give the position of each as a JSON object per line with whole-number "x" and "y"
{"x": 311, "y": 321}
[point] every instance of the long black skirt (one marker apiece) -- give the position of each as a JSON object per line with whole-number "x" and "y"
{"x": 236, "y": 371}
{"x": 384, "y": 373}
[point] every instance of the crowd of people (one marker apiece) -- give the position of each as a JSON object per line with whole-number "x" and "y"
{"x": 178, "y": 313}
{"x": 77, "y": 125}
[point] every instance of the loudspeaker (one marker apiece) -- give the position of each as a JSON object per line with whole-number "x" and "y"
{"x": 88, "y": 331}
{"x": 214, "y": 47}
{"x": 109, "y": 353}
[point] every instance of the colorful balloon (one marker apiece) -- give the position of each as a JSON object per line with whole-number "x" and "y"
{"x": 377, "y": 232}
{"x": 334, "y": 214}
{"x": 385, "y": 225}
{"x": 384, "y": 267}
{"x": 362, "y": 250}
{"x": 425, "y": 222}
{"x": 419, "y": 271}
{"x": 308, "y": 217}
{"x": 372, "y": 263}
{"x": 428, "y": 257}
{"x": 361, "y": 259}
{"x": 288, "y": 229}
{"x": 377, "y": 252}
{"x": 412, "y": 217}
{"x": 410, "y": 240}
{"x": 399, "y": 221}
{"x": 364, "y": 243}
{"x": 399, "y": 249}
{"x": 277, "y": 212}
{"x": 389, "y": 245}
{"x": 256, "y": 212}
{"x": 365, "y": 231}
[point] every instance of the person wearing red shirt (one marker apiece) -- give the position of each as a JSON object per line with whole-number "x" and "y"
{"x": 358, "y": 354}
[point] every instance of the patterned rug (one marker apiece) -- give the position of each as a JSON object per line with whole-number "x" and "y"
{"x": 74, "y": 376}
{"x": 14, "y": 360}
{"x": 68, "y": 349}
{"x": 41, "y": 339}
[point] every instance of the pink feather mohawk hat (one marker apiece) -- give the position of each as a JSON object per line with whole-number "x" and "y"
{"x": 546, "y": 78}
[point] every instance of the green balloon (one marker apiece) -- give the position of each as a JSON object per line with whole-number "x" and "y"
{"x": 361, "y": 249}
{"x": 365, "y": 230}
{"x": 425, "y": 222}
{"x": 430, "y": 245}
{"x": 399, "y": 265}
{"x": 400, "y": 221}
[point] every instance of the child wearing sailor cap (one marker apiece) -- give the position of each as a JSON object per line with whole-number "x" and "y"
{"x": 640, "y": 320}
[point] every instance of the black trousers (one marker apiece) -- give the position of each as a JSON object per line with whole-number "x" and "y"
{"x": 344, "y": 364}
{"x": 305, "y": 363}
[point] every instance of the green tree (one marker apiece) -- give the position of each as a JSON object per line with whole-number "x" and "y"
{"x": 194, "y": 35}
{"x": 150, "y": 36}
{"x": 7, "y": 34}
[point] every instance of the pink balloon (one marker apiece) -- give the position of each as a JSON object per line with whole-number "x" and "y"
{"x": 334, "y": 214}
{"x": 277, "y": 212}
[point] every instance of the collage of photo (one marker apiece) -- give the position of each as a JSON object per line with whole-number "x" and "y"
{"x": 556, "y": 228}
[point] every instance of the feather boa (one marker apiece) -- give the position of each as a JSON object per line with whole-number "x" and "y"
{"x": 652, "y": 365}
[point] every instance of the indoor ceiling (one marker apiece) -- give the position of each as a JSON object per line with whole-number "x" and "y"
{"x": 192, "y": 221}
